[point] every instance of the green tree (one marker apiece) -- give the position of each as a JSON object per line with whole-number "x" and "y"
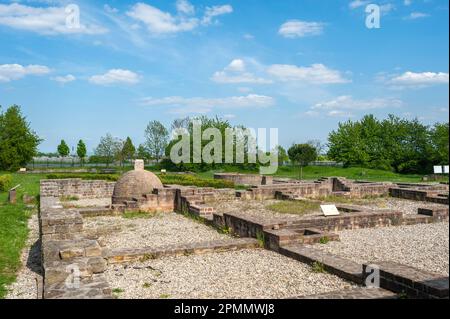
{"x": 128, "y": 149}
{"x": 63, "y": 149}
{"x": 406, "y": 146}
{"x": 302, "y": 154}
{"x": 108, "y": 148}
{"x": 81, "y": 151}
{"x": 156, "y": 139}
{"x": 282, "y": 155}
{"x": 18, "y": 142}
{"x": 440, "y": 142}
{"x": 187, "y": 130}
{"x": 142, "y": 152}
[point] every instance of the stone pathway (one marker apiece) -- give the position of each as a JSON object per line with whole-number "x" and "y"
{"x": 29, "y": 277}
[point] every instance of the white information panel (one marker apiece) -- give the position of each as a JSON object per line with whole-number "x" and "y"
{"x": 446, "y": 169}
{"x": 329, "y": 210}
{"x": 438, "y": 169}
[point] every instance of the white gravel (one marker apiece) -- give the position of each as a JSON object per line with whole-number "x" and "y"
{"x": 160, "y": 230}
{"x": 238, "y": 274}
{"x": 403, "y": 205}
{"x": 30, "y": 273}
{"x": 423, "y": 246}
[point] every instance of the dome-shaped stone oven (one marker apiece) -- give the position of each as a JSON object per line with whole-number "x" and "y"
{"x": 134, "y": 184}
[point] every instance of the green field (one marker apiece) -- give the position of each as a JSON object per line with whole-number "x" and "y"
{"x": 13, "y": 228}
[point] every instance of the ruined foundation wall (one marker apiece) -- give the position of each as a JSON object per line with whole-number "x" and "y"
{"x": 245, "y": 179}
{"x": 76, "y": 187}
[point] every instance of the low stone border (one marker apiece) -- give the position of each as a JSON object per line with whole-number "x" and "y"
{"x": 333, "y": 264}
{"x": 437, "y": 194}
{"x": 274, "y": 239}
{"x": 412, "y": 282}
{"x": 116, "y": 256}
{"x": 355, "y": 293}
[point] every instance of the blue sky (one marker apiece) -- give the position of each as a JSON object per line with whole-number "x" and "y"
{"x": 297, "y": 65}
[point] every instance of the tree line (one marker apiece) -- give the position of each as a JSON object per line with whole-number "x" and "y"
{"x": 401, "y": 145}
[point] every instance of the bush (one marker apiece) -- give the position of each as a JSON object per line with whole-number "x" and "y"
{"x": 5, "y": 182}
{"x": 106, "y": 177}
{"x": 192, "y": 180}
{"x": 178, "y": 179}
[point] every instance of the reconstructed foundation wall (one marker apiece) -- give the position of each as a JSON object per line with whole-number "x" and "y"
{"x": 439, "y": 196}
{"x": 76, "y": 187}
{"x": 245, "y": 179}
{"x": 72, "y": 264}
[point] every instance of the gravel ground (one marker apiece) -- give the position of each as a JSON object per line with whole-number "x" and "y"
{"x": 405, "y": 206}
{"x": 423, "y": 246}
{"x": 157, "y": 231}
{"x": 239, "y": 274}
{"x": 253, "y": 208}
{"x": 25, "y": 286}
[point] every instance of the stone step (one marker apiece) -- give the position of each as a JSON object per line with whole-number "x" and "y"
{"x": 354, "y": 293}
{"x": 336, "y": 265}
{"x": 95, "y": 287}
{"x": 116, "y": 256}
{"x": 413, "y": 282}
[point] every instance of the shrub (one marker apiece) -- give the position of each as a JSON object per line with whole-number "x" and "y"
{"x": 318, "y": 267}
{"x": 107, "y": 177}
{"x": 192, "y": 180}
{"x": 178, "y": 179}
{"x": 5, "y": 182}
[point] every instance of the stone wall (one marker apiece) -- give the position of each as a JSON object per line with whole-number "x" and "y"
{"x": 421, "y": 194}
{"x": 76, "y": 187}
{"x": 72, "y": 264}
{"x": 409, "y": 281}
{"x": 245, "y": 179}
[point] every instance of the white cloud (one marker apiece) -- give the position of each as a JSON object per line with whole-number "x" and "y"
{"x": 205, "y": 105}
{"x": 11, "y": 72}
{"x": 336, "y": 113}
{"x": 237, "y": 65}
{"x": 424, "y": 79}
{"x": 185, "y": 7}
{"x": 160, "y": 22}
{"x": 314, "y": 74}
{"x": 236, "y": 72}
{"x": 357, "y": 3}
{"x": 64, "y": 79}
{"x": 346, "y": 102}
{"x": 407, "y": 2}
{"x": 115, "y": 76}
{"x": 298, "y": 29}
{"x": 110, "y": 9}
{"x": 417, "y": 15}
{"x": 43, "y": 20}
{"x": 215, "y": 11}
{"x": 386, "y": 8}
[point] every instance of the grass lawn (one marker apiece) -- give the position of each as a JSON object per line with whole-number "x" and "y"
{"x": 13, "y": 228}
{"x": 315, "y": 172}
{"x": 294, "y": 207}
